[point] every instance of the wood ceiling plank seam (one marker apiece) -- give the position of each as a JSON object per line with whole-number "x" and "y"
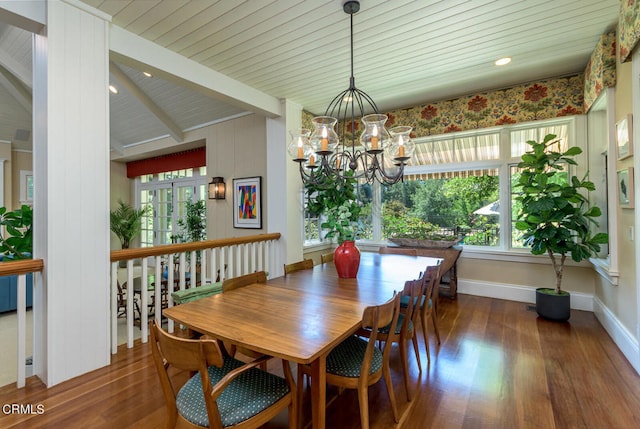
{"x": 286, "y": 31}
{"x": 159, "y": 12}
{"x": 131, "y": 12}
{"x": 277, "y": 72}
{"x": 175, "y": 20}
{"x": 188, "y": 27}
{"x": 466, "y": 52}
{"x": 261, "y": 33}
{"x": 109, "y": 7}
{"x": 292, "y": 52}
{"x": 230, "y": 18}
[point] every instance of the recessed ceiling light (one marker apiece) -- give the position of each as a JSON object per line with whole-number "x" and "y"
{"x": 503, "y": 61}
{"x": 147, "y": 74}
{"x": 113, "y": 89}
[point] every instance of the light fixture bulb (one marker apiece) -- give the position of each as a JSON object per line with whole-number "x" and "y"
{"x": 113, "y": 89}
{"x": 503, "y": 61}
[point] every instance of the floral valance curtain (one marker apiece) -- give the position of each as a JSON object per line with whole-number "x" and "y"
{"x": 628, "y": 27}
{"x": 601, "y": 69}
{"x": 538, "y": 100}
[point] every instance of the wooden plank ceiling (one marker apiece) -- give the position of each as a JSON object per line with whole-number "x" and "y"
{"x": 406, "y": 52}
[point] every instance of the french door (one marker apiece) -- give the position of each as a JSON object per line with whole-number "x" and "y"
{"x": 167, "y": 195}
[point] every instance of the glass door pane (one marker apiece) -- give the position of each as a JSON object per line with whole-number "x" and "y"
{"x": 164, "y": 212}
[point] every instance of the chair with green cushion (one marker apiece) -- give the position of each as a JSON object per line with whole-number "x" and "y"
{"x": 404, "y": 329}
{"x": 247, "y": 279}
{"x": 196, "y": 293}
{"x": 224, "y": 392}
{"x": 357, "y": 363}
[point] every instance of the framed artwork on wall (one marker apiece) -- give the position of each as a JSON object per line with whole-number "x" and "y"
{"x": 624, "y": 137}
{"x": 247, "y": 202}
{"x": 625, "y": 187}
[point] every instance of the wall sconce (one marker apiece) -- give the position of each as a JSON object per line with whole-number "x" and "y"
{"x": 217, "y": 188}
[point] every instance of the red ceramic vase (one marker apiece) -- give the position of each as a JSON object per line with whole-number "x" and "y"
{"x": 347, "y": 260}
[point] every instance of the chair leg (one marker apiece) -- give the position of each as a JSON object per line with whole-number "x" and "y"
{"x": 434, "y": 318}
{"x": 425, "y": 335}
{"x": 414, "y": 340}
{"x": 363, "y": 399}
{"x": 386, "y": 372}
{"x": 405, "y": 366}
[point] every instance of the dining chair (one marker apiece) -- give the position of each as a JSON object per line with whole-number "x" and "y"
{"x": 404, "y": 329}
{"x": 122, "y": 302}
{"x": 247, "y": 279}
{"x": 357, "y": 363}
{"x": 223, "y": 392}
{"x": 326, "y": 257}
{"x": 398, "y": 251}
{"x": 428, "y": 305}
{"x": 305, "y": 264}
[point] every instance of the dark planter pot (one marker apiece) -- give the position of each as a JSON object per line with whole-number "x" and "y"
{"x": 347, "y": 260}
{"x": 553, "y": 307}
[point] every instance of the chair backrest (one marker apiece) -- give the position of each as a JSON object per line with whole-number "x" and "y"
{"x": 374, "y": 318}
{"x": 398, "y": 251}
{"x": 432, "y": 277}
{"x": 247, "y": 279}
{"x": 326, "y": 257}
{"x": 305, "y": 264}
{"x": 189, "y": 355}
{"x": 413, "y": 289}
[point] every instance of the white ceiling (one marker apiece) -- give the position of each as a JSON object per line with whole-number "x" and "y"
{"x": 405, "y": 53}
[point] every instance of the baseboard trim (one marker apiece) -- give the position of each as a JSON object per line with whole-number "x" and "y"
{"x": 620, "y": 335}
{"x": 579, "y": 300}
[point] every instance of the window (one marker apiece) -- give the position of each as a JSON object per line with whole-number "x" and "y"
{"x": 167, "y": 194}
{"x": 461, "y": 183}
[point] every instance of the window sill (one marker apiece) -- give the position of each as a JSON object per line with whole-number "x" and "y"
{"x": 602, "y": 267}
{"x": 312, "y": 246}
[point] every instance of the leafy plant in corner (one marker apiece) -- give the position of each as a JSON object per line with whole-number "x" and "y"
{"x": 16, "y": 233}
{"x": 555, "y": 217}
{"x": 337, "y": 199}
{"x": 126, "y": 222}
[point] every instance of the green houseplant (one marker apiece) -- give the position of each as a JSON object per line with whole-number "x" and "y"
{"x": 336, "y": 200}
{"x": 16, "y": 233}
{"x": 554, "y": 216}
{"x": 126, "y": 222}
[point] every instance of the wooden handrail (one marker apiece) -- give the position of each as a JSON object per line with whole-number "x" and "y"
{"x": 143, "y": 252}
{"x": 22, "y": 266}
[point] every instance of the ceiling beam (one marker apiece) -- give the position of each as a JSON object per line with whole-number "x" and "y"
{"x": 17, "y": 89}
{"x": 174, "y": 130}
{"x": 130, "y": 49}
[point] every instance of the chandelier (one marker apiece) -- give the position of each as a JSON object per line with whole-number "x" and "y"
{"x": 377, "y": 154}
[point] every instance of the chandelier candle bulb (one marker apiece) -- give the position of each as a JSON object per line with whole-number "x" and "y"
{"x": 312, "y": 161}
{"x": 300, "y": 151}
{"x": 374, "y": 138}
{"x": 324, "y": 143}
{"x": 401, "y": 148}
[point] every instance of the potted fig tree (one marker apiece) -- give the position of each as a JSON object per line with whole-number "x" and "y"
{"x": 555, "y": 217}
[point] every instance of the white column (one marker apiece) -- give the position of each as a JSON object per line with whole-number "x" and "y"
{"x": 284, "y": 211}
{"x": 71, "y": 178}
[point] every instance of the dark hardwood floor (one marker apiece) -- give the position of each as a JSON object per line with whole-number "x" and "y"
{"x": 499, "y": 366}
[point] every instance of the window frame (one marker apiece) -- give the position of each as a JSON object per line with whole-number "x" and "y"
{"x": 577, "y": 137}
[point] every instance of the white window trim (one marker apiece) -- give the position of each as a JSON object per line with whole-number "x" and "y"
{"x": 24, "y": 198}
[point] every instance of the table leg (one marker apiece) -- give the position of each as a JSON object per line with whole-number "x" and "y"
{"x": 318, "y": 392}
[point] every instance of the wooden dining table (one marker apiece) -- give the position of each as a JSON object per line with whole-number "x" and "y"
{"x": 303, "y": 316}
